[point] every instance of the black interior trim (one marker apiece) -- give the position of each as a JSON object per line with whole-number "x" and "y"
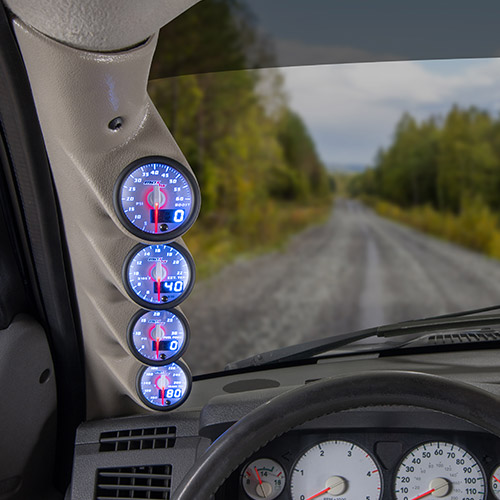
{"x": 37, "y": 202}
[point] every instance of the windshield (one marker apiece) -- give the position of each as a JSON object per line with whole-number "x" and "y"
{"x": 335, "y": 197}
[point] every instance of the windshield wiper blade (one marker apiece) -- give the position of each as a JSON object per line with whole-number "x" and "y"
{"x": 314, "y": 347}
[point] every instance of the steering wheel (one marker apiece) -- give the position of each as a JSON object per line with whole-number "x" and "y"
{"x": 297, "y": 406}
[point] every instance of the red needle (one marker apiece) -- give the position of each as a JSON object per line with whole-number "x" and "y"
{"x": 258, "y": 475}
{"x": 157, "y": 206}
{"x": 157, "y": 347}
{"x": 163, "y": 396}
{"x": 326, "y": 490}
{"x": 159, "y": 289}
{"x": 496, "y": 479}
{"x": 425, "y": 494}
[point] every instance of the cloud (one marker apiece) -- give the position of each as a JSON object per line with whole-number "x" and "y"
{"x": 351, "y": 109}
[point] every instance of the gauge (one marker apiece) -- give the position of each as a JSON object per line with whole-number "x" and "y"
{"x": 156, "y": 198}
{"x": 263, "y": 478}
{"x": 158, "y": 276}
{"x": 158, "y": 337}
{"x": 440, "y": 469}
{"x": 336, "y": 468}
{"x": 495, "y": 482}
{"x": 164, "y": 387}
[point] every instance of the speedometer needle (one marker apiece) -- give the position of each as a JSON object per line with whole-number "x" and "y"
{"x": 326, "y": 490}
{"x": 425, "y": 494}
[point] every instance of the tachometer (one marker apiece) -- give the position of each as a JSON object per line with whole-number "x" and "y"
{"x": 158, "y": 337}
{"x": 336, "y": 468}
{"x": 263, "y": 478}
{"x": 164, "y": 387}
{"x": 157, "y": 198}
{"x": 158, "y": 276}
{"x": 440, "y": 469}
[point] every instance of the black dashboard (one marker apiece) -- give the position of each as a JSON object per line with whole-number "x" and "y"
{"x": 150, "y": 454}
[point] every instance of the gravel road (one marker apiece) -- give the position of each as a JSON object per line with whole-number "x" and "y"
{"x": 355, "y": 271}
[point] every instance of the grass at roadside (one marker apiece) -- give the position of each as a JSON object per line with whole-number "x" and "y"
{"x": 216, "y": 243}
{"x": 475, "y": 227}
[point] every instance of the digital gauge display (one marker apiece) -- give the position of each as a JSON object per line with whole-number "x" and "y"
{"x": 156, "y": 198}
{"x": 164, "y": 387}
{"x": 159, "y": 276}
{"x": 158, "y": 337}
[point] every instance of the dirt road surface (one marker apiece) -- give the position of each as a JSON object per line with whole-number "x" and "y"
{"x": 355, "y": 271}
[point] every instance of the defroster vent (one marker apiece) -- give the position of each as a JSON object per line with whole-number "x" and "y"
{"x": 148, "y": 482}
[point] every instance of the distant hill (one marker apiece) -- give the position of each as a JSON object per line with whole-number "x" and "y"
{"x": 349, "y": 168}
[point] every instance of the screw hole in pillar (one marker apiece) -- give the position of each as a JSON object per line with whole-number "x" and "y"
{"x": 44, "y": 376}
{"x": 115, "y": 123}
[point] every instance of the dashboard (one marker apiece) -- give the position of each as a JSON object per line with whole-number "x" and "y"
{"x": 371, "y": 464}
{"x": 121, "y": 456}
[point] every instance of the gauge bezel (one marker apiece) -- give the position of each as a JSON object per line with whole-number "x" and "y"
{"x": 189, "y": 378}
{"x": 150, "y": 362}
{"x": 175, "y": 233}
{"x": 309, "y": 447}
{"x": 167, "y": 305}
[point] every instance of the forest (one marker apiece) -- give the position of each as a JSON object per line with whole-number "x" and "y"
{"x": 260, "y": 175}
{"x": 441, "y": 175}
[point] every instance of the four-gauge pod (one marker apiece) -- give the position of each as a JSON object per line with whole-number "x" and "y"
{"x": 157, "y": 199}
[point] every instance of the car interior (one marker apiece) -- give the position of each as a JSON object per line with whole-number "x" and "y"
{"x": 123, "y": 157}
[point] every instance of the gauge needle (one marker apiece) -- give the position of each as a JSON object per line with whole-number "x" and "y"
{"x": 158, "y": 335}
{"x": 258, "y": 475}
{"x": 496, "y": 479}
{"x": 425, "y": 494}
{"x": 156, "y": 203}
{"x": 326, "y": 490}
{"x": 156, "y": 217}
{"x": 163, "y": 384}
{"x": 158, "y": 276}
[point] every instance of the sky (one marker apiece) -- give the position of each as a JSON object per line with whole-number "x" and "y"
{"x": 351, "y": 109}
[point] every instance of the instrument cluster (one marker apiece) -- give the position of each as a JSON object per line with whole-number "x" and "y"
{"x": 398, "y": 465}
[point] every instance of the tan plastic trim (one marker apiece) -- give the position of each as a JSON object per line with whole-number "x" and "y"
{"x": 98, "y": 25}
{"x": 77, "y": 93}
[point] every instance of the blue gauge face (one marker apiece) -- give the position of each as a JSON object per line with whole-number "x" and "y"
{"x": 158, "y": 337}
{"x": 159, "y": 276}
{"x": 164, "y": 387}
{"x": 157, "y": 199}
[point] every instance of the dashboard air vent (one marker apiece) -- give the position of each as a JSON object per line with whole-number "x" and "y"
{"x": 464, "y": 338}
{"x": 138, "y": 439}
{"x": 148, "y": 482}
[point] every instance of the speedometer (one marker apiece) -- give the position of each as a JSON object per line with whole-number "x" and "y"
{"x": 336, "y": 469}
{"x": 440, "y": 469}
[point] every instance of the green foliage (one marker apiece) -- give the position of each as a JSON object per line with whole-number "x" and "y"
{"x": 442, "y": 163}
{"x": 441, "y": 176}
{"x": 476, "y": 226}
